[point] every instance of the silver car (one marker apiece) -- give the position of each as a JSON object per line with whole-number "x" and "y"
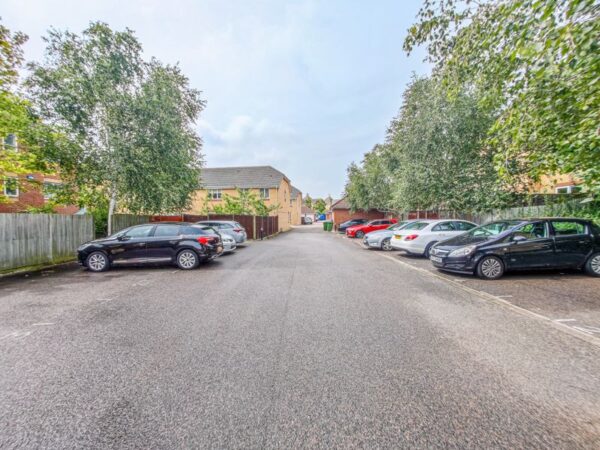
{"x": 229, "y": 244}
{"x": 228, "y": 227}
{"x": 381, "y": 238}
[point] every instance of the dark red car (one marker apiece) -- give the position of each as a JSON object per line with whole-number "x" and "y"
{"x": 358, "y": 231}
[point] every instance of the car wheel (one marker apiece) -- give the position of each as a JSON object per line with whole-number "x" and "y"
{"x": 359, "y": 234}
{"x": 490, "y": 268}
{"x": 428, "y": 249}
{"x": 187, "y": 260}
{"x": 592, "y": 266}
{"x": 386, "y": 245}
{"x": 97, "y": 262}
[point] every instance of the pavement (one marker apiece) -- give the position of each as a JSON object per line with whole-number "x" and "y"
{"x": 303, "y": 340}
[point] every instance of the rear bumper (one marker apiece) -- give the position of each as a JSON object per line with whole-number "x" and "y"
{"x": 414, "y": 247}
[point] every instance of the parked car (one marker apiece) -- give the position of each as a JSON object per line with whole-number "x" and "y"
{"x": 359, "y": 231}
{"x": 497, "y": 247}
{"x": 307, "y": 220}
{"x": 229, "y": 243}
{"x": 350, "y": 223}
{"x": 419, "y": 237}
{"x": 381, "y": 238}
{"x": 229, "y": 227}
{"x": 184, "y": 244}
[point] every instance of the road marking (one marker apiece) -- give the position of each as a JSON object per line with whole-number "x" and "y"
{"x": 16, "y": 334}
{"x": 565, "y": 320}
{"x": 504, "y": 296}
{"x": 42, "y": 324}
{"x": 583, "y": 334}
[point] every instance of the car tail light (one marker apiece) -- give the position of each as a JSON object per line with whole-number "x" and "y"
{"x": 204, "y": 240}
{"x": 411, "y": 237}
{"x": 237, "y": 230}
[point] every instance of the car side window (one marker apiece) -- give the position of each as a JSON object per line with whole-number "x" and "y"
{"x": 444, "y": 226}
{"x": 139, "y": 232}
{"x": 166, "y": 230}
{"x": 463, "y": 226}
{"x": 376, "y": 222}
{"x": 532, "y": 231}
{"x": 193, "y": 231}
{"x": 563, "y": 228}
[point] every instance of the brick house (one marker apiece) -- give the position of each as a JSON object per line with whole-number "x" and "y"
{"x": 18, "y": 193}
{"x": 296, "y": 205}
{"x": 340, "y": 212}
{"x": 271, "y": 185}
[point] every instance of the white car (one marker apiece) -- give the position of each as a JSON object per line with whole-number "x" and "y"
{"x": 418, "y": 237}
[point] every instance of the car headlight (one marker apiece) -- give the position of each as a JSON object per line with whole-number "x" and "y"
{"x": 463, "y": 251}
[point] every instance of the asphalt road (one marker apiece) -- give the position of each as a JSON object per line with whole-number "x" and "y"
{"x": 304, "y": 340}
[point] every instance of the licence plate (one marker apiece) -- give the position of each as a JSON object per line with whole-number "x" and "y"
{"x": 397, "y": 236}
{"x": 435, "y": 259}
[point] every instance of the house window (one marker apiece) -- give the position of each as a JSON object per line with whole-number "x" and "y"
{"x": 264, "y": 193}
{"x": 214, "y": 194}
{"x": 11, "y": 187}
{"x": 50, "y": 189}
{"x": 10, "y": 142}
{"x": 568, "y": 189}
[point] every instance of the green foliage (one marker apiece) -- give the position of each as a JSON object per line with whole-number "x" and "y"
{"x": 245, "y": 203}
{"x": 36, "y": 142}
{"x": 319, "y": 206}
{"x": 434, "y": 157}
{"x": 308, "y": 201}
{"x": 132, "y": 120}
{"x": 535, "y": 63}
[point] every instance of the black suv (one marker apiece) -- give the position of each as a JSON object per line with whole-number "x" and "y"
{"x": 493, "y": 248}
{"x": 185, "y": 244}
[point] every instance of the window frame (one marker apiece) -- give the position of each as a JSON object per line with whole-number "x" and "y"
{"x": 164, "y": 225}
{"x": 5, "y": 146}
{"x": 5, "y": 184}
{"x": 50, "y": 195}
{"x": 555, "y": 234}
{"x": 450, "y": 223}
{"x": 150, "y": 233}
{"x": 570, "y": 189}
{"x": 262, "y": 192}
{"x": 212, "y": 196}
{"x": 543, "y": 222}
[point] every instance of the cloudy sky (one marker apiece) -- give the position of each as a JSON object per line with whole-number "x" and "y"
{"x": 306, "y": 86}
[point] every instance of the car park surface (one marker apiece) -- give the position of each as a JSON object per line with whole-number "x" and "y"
{"x": 245, "y": 353}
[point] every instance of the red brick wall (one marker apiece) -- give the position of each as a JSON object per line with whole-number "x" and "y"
{"x": 31, "y": 194}
{"x": 342, "y": 215}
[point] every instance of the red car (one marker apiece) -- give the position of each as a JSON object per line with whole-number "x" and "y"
{"x": 358, "y": 231}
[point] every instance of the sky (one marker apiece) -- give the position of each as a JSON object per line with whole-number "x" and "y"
{"x": 306, "y": 86}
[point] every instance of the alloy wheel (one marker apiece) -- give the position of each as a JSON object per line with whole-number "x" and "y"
{"x": 96, "y": 262}
{"x": 386, "y": 244}
{"x": 595, "y": 264}
{"x": 186, "y": 260}
{"x": 491, "y": 268}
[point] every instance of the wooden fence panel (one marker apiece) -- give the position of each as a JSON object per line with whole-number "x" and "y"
{"x": 122, "y": 221}
{"x": 33, "y": 239}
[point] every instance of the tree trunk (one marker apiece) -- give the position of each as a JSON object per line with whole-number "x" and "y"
{"x": 111, "y": 210}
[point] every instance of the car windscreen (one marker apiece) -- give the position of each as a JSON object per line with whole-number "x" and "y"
{"x": 416, "y": 226}
{"x": 492, "y": 229}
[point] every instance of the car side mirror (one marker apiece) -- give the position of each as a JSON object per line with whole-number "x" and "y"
{"x": 518, "y": 238}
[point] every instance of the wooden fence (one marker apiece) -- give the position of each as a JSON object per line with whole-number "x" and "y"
{"x": 35, "y": 239}
{"x": 253, "y": 224}
{"x": 121, "y": 221}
